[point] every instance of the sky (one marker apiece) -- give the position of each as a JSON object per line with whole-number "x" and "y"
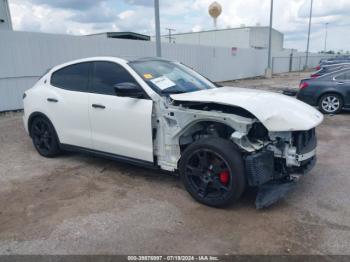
{"x": 80, "y": 17}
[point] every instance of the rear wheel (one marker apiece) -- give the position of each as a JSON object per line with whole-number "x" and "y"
{"x": 212, "y": 171}
{"x": 44, "y": 137}
{"x": 331, "y": 103}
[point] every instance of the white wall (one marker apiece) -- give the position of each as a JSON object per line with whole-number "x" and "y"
{"x": 245, "y": 37}
{"x": 224, "y": 38}
{"x": 259, "y": 37}
{"x": 26, "y": 56}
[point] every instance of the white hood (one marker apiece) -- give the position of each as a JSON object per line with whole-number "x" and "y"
{"x": 276, "y": 111}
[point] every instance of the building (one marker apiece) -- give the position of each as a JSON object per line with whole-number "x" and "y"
{"x": 122, "y": 35}
{"x": 235, "y": 54}
{"x": 243, "y": 37}
{"x": 5, "y": 17}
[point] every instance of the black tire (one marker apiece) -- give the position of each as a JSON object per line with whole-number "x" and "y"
{"x": 330, "y": 103}
{"x": 222, "y": 157}
{"x": 44, "y": 137}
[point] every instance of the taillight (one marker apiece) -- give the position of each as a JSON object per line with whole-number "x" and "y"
{"x": 315, "y": 75}
{"x": 318, "y": 67}
{"x": 303, "y": 85}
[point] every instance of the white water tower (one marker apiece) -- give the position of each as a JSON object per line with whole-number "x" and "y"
{"x": 215, "y": 10}
{"x": 5, "y": 17}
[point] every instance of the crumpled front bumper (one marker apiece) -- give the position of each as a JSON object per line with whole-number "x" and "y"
{"x": 273, "y": 178}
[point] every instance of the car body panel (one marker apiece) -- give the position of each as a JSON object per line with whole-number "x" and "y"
{"x": 277, "y": 112}
{"x": 124, "y": 127}
{"x": 69, "y": 115}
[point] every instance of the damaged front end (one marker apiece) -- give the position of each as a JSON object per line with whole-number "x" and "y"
{"x": 278, "y": 162}
{"x": 273, "y": 159}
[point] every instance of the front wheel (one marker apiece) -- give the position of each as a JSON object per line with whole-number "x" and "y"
{"x": 212, "y": 171}
{"x": 331, "y": 103}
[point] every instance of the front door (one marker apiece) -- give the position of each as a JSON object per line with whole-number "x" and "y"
{"x": 119, "y": 125}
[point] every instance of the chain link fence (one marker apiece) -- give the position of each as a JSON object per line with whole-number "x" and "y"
{"x": 295, "y": 63}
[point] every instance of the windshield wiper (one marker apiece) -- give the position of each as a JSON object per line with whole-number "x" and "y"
{"x": 173, "y": 92}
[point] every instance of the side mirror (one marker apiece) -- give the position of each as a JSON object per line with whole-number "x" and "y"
{"x": 128, "y": 89}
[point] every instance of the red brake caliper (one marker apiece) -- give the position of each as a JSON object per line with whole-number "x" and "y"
{"x": 224, "y": 177}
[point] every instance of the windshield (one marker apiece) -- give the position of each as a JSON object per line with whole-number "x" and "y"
{"x": 166, "y": 77}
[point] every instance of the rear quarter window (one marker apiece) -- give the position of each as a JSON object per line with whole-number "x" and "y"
{"x": 73, "y": 77}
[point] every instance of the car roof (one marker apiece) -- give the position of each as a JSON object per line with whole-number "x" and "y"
{"x": 108, "y": 58}
{"x": 90, "y": 59}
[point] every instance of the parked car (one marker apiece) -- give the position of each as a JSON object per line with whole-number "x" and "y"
{"x": 329, "y": 68}
{"x": 335, "y": 58}
{"x": 330, "y": 92}
{"x": 332, "y": 62}
{"x": 161, "y": 114}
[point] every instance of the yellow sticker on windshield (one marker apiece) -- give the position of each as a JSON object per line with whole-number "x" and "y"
{"x": 147, "y": 76}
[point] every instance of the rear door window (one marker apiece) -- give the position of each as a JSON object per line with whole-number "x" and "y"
{"x": 73, "y": 77}
{"x": 344, "y": 76}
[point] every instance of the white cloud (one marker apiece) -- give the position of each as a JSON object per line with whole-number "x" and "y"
{"x": 126, "y": 14}
{"x": 90, "y": 16}
{"x": 197, "y": 28}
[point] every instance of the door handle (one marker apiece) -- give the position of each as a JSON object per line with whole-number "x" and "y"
{"x": 340, "y": 83}
{"x": 52, "y": 100}
{"x": 98, "y": 106}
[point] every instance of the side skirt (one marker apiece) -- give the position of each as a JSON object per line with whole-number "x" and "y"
{"x": 124, "y": 159}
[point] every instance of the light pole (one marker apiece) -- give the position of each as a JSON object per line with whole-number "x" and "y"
{"x": 268, "y": 72}
{"x": 325, "y": 38}
{"x": 157, "y": 26}
{"x": 308, "y": 37}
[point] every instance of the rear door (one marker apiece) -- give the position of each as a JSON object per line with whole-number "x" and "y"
{"x": 67, "y": 104}
{"x": 342, "y": 83}
{"x": 120, "y": 125}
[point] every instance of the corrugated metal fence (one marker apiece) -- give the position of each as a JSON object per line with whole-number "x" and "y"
{"x": 25, "y": 56}
{"x": 294, "y": 63}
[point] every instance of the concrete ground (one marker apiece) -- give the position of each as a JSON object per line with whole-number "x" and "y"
{"x": 279, "y": 83}
{"x": 78, "y": 204}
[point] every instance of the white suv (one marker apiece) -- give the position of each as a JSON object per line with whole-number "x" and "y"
{"x": 161, "y": 114}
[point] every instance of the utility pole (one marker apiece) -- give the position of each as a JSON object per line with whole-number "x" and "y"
{"x": 268, "y": 71}
{"x": 5, "y": 16}
{"x": 157, "y": 26}
{"x": 325, "y": 38}
{"x": 169, "y": 34}
{"x": 308, "y": 38}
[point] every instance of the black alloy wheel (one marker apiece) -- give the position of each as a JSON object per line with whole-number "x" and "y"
{"x": 212, "y": 171}
{"x": 44, "y": 137}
